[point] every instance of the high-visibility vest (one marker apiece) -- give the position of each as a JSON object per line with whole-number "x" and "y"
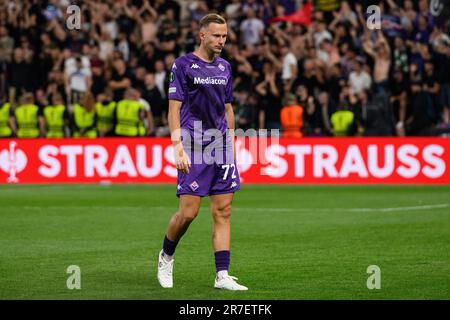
{"x": 128, "y": 121}
{"x": 342, "y": 121}
{"x": 5, "y": 129}
{"x": 292, "y": 121}
{"x": 326, "y": 5}
{"x": 54, "y": 119}
{"x": 84, "y": 119}
{"x": 27, "y": 121}
{"x": 105, "y": 115}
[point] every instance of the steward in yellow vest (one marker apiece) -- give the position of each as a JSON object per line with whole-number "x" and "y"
{"x": 56, "y": 118}
{"x": 105, "y": 109}
{"x": 29, "y": 117}
{"x": 84, "y": 118}
{"x": 343, "y": 122}
{"x": 129, "y": 116}
{"x": 7, "y": 122}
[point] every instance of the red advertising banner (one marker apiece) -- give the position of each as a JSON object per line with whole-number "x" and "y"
{"x": 293, "y": 161}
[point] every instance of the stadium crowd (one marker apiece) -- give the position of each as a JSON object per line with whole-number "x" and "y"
{"x": 331, "y": 76}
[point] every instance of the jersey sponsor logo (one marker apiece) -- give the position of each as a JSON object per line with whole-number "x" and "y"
{"x": 221, "y": 67}
{"x": 173, "y": 90}
{"x": 211, "y": 80}
{"x": 195, "y": 66}
{"x": 194, "y": 185}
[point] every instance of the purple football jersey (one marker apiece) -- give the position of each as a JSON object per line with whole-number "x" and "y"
{"x": 204, "y": 88}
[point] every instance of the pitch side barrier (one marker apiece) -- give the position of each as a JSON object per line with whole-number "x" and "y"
{"x": 259, "y": 160}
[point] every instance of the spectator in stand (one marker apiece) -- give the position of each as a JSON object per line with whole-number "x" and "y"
{"x": 157, "y": 104}
{"x": 148, "y": 119}
{"x": 312, "y": 76}
{"x": 399, "y": 100}
{"x": 327, "y": 108}
{"x": 6, "y": 50}
{"x": 290, "y": 72}
{"x": 318, "y": 33}
{"x": 431, "y": 87}
{"x": 345, "y": 16}
{"x": 419, "y": 122}
{"x": 121, "y": 79}
{"x": 161, "y": 78}
{"x": 147, "y": 18}
{"x": 252, "y": 29}
{"x": 380, "y": 52}
{"x": 19, "y": 75}
{"x": 78, "y": 80}
{"x": 328, "y": 53}
{"x": 246, "y": 111}
{"x": 166, "y": 40}
{"x": 441, "y": 48}
{"x": 400, "y": 55}
{"x": 270, "y": 90}
{"x": 98, "y": 79}
{"x": 312, "y": 122}
{"x": 359, "y": 79}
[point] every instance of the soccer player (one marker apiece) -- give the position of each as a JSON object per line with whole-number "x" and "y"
{"x": 200, "y": 96}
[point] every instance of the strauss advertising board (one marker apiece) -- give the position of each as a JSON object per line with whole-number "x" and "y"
{"x": 280, "y": 160}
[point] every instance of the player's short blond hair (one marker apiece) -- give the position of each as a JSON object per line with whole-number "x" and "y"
{"x": 211, "y": 18}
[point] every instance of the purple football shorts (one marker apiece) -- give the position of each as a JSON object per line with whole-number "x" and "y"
{"x": 212, "y": 171}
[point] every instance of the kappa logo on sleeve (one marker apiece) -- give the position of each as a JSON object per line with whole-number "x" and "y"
{"x": 173, "y": 90}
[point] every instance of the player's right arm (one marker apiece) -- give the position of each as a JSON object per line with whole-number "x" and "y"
{"x": 182, "y": 160}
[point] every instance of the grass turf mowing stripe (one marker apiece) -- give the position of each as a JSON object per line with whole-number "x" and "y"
{"x": 302, "y": 246}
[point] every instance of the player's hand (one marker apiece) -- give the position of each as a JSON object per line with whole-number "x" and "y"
{"x": 182, "y": 161}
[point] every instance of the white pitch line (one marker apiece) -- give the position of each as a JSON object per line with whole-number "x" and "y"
{"x": 424, "y": 207}
{"x": 413, "y": 208}
{"x": 172, "y": 208}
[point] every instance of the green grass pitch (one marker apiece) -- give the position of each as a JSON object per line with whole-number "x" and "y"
{"x": 288, "y": 242}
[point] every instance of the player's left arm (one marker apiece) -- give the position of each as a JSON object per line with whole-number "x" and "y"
{"x": 229, "y": 113}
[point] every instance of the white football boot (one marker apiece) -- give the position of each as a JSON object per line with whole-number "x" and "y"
{"x": 228, "y": 282}
{"x": 165, "y": 271}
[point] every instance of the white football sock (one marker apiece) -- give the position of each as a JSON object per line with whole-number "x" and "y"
{"x": 222, "y": 274}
